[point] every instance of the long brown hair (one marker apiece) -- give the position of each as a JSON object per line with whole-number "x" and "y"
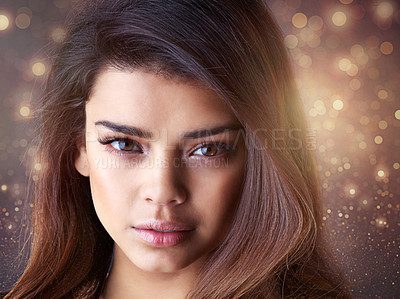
{"x": 274, "y": 247}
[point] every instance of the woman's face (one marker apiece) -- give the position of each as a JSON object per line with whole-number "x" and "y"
{"x": 166, "y": 162}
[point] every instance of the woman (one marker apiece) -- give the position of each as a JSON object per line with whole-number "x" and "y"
{"x": 175, "y": 161}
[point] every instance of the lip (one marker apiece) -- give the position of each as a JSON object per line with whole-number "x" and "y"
{"x": 163, "y": 233}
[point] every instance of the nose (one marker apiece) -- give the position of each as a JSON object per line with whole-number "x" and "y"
{"x": 164, "y": 185}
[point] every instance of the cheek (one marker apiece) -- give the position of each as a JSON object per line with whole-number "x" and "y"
{"x": 216, "y": 195}
{"x": 110, "y": 187}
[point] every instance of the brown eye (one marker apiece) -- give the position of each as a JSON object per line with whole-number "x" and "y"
{"x": 208, "y": 150}
{"x": 125, "y": 145}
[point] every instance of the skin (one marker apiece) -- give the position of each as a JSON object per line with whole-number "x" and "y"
{"x": 168, "y": 177}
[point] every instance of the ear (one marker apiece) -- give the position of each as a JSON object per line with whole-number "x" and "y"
{"x": 81, "y": 159}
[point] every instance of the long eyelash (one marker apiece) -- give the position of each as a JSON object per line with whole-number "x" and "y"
{"x": 109, "y": 140}
{"x": 220, "y": 145}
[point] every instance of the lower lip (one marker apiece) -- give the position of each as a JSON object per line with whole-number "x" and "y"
{"x": 162, "y": 239}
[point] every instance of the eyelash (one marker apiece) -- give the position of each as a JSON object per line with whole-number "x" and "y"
{"x": 220, "y": 147}
{"x": 107, "y": 142}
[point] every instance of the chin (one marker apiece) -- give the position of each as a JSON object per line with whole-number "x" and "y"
{"x": 163, "y": 263}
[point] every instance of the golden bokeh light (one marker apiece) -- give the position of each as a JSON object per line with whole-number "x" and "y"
{"x": 378, "y": 139}
{"x": 58, "y": 35}
{"x": 25, "y": 111}
{"x": 339, "y": 18}
{"x": 362, "y": 145}
{"x": 4, "y": 187}
{"x": 384, "y": 10}
{"x": 344, "y": 64}
{"x": 23, "y": 21}
{"x": 334, "y": 160}
{"x": 386, "y": 48}
{"x": 299, "y": 20}
{"x": 315, "y": 23}
{"x": 352, "y": 70}
{"x": 383, "y": 94}
{"x": 38, "y": 69}
{"x": 363, "y": 58}
{"x": 313, "y": 112}
{"x": 381, "y": 222}
{"x": 4, "y": 22}
{"x": 355, "y": 84}
{"x": 396, "y": 165}
{"x": 356, "y": 50}
{"x": 329, "y": 125}
{"x": 346, "y": 1}
{"x": 305, "y": 61}
{"x": 338, "y": 105}
{"x": 291, "y": 41}
{"x": 381, "y": 173}
{"x": 397, "y": 114}
{"x": 382, "y": 125}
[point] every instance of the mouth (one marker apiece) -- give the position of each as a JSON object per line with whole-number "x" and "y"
{"x": 162, "y": 233}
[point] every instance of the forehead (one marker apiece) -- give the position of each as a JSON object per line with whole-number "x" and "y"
{"x": 155, "y": 101}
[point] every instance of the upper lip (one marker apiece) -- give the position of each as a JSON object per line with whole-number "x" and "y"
{"x": 168, "y": 226}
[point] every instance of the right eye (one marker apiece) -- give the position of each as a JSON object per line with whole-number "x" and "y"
{"x": 125, "y": 145}
{"x": 122, "y": 144}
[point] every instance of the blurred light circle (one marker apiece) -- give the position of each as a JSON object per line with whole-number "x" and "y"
{"x": 386, "y": 48}
{"x": 291, "y": 41}
{"x": 346, "y": 1}
{"x": 4, "y": 22}
{"x": 58, "y": 35}
{"x": 315, "y": 23}
{"x": 355, "y": 84}
{"x": 338, "y": 105}
{"x": 299, "y": 20}
{"x": 381, "y": 173}
{"x": 344, "y": 64}
{"x": 38, "y": 69}
{"x": 382, "y": 125}
{"x": 362, "y": 145}
{"x": 356, "y": 50}
{"x": 24, "y": 111}
{"x": 384, "y": 10}
{"x": 397, "y": 114}
{"x": 383, "y": 94}
{"x": 339, "y": 18}
{"x": 378, "y": 139}
{"x": 353, "y": 70}
{"x": 305, "y": 61}
{"x": 23, "y": 21}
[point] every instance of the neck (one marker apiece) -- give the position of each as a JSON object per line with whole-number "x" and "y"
{"x": 128, "y": 281}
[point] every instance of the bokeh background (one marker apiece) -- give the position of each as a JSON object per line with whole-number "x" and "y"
{"x": 347, "y": 60}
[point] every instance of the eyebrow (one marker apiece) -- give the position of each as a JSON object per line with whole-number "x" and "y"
{"x": 141, "y": 133}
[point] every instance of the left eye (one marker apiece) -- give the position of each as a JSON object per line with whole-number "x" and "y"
{"x": 208, "y": 150}
{"x": 125, "y": 145}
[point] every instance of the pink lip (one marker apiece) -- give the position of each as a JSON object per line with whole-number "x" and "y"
{"x": 163, "y": 233}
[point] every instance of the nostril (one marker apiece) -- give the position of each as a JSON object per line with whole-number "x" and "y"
{"x": 165, "y": 201}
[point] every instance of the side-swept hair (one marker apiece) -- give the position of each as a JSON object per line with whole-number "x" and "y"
{"x": 274, "y": 247}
